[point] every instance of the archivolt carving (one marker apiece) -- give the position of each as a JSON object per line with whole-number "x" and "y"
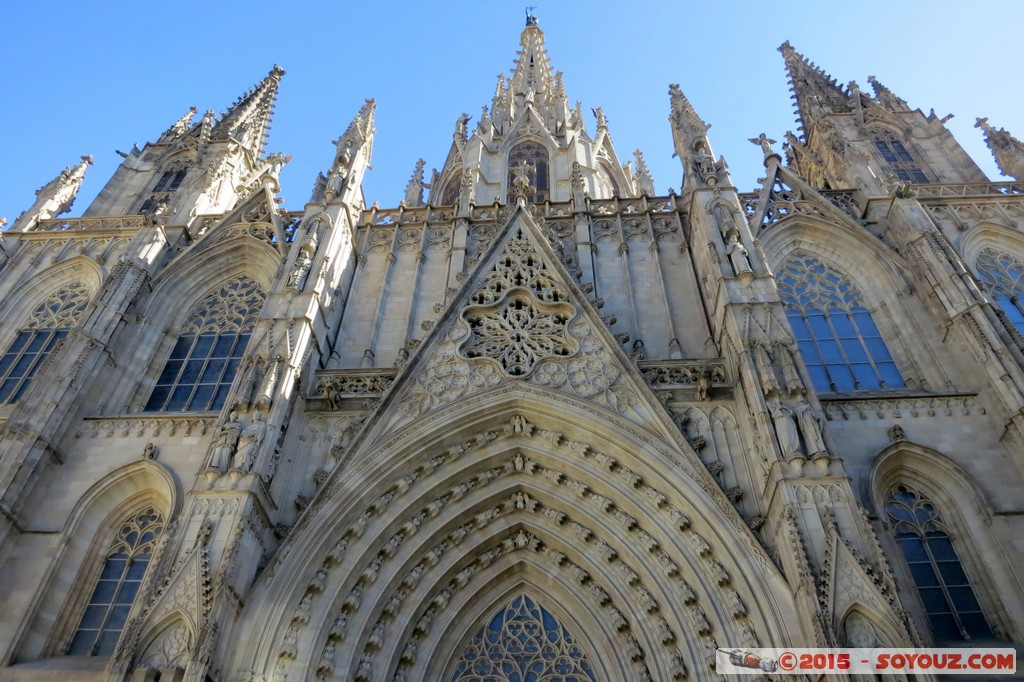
{"x": 693, "y": 544}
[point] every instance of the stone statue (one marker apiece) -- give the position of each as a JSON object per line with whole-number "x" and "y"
{"x": 249, "y": 443}
{"x": 302, "y": 265}
{"x": 149, "y": 452}
{"x": 737, "y": 255}
{"x": 703, "y": 387}
{"x": 810, "y": 426}
{"x": 794, "y": 384}
{"x": 602, "y": 120}
{"x": 227, "y": 439}
{"x": 704, "y": 164}
{"x": 785, "y": 427}
{"x": 765, "y": 142}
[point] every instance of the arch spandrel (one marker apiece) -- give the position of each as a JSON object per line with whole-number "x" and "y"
{"x": 617, "y": 467}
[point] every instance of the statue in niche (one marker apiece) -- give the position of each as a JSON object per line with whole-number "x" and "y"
{"x": 250, "y": 441}
{"x": 737, "y": 254}
{"x": 704, "y": 165}
{"x": 227, "y": 439}
{"x": 785, "y": 427}
{"x": 302, "y": 265}
{"x": 810, "y": 426}
{"x": 794, "y": 384}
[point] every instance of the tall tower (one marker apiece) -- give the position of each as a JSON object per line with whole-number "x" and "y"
{"x": 851, "y": 139}
{"x": 197, "y": 168}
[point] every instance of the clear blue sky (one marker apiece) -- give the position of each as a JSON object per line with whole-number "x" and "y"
{"x": 95, "y": 77}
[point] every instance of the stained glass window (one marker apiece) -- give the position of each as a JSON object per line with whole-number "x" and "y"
{"x": 122, "y": 573}
{"x": 949, "y": 602}
{"x": 523, "y": 643}
{"x": 205, "y": 358}
{"x": 41, "y": 333}
{"x": 169, "y": 183}
{"x": 1005, "y": 275}
{"x": 840, "y": 343}
{"x": 535, "y": 156}
{"x": 899, "y": 160}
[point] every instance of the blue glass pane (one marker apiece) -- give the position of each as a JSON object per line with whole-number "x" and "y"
{"x": 800, "y": 330}
{"x": 212, "y": 372}
{"x": 877, "y": 348}
{"x": 933, "y": 599}
{"x": 913, "y": 549}
{"x": 975, "y": 625}
{"x": 963, "y": 599}
{"x": 6, "y": 362}
{"x": 137, "y": 568}
{"x": 239, "y": 349}
{"x": 944, "y": 627}
{"x": 829, "y": 351}
{"x": 890, "y": 375}
{"x": 113, "y": 568}
{"x": 190, "y": 373}
{"x": 941, "y": 548}
{"x": 221, "y": 396}
{"x": 182, "y": 346}
{"x": 81, "y": 645}
{"x": 19, "y": 370}
{"x": 865, "y": 376}
{"x": 819, "y": 326}
{"x": 201, "y": 399}
{"x": 170, "y": 372}
{"x": 93, "y": 618}
{"x": 819, "y": 378}
{"x": 841, "y": 377}
{"x": 203, "y": 345}
{"x": 179, "y": 398}
{"x": 222, "y": 348}
{"x": 104, "y": 593}
{"x": 843, "y": 325}
{"x": 923, "y": 574}
{"x": 6, "y": 389}
{"x": 107, "y": 642}
{"x": 854, "y": 350}
{"x": 19, "y": 341}
{"x": 156, "y": 401}
{"x": 117, "y": 617}
{"x": 37, "y": 342}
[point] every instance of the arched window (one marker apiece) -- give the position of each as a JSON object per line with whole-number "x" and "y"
{"x": 164, "y": 189}
{"x": 896, "y": 156}
{"x": 949, "y": 603}
{"x": 606, "y": 187}
{"x": 38, "y": 337}
{"x": 523, "y": 642}
{"x": 125, "y": 565}
{"x": 198, "y": 375}
{"x": 1005, "y": 275}
{"x": 450, "y": 195}
{"x": 839, "y": 341}
{"x": 535, "y": 158}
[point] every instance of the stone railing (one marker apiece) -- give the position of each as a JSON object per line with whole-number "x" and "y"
{"x": 969, "y": 189}
{"x": 102, "y": 223}
{"x": 140, "y": 425}
{"x": 875, "y": 407}
{"x": 336, "y": 385}
{"x": 667, "y": 374}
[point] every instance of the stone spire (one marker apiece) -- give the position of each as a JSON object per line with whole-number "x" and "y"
{"x": 55, "y": 197}
{"x": 886, "y": 97}
{"x": 179, "y": 128}
{"x": 1008, "y": 150}
{"x": 533, "y": 84}
{"x": 352, "y": 155}
{"x": 644, "y": 179}
{"x": 690, "y": 134}
{"x": 247, "y": 121}
{"x": 817, "y": 94}
{"x": 414, "y": 190}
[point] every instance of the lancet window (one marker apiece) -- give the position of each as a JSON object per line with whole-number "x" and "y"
{"x": 896, "y": 156}
{"x": 532, "y": 158}
{"x": 841, "y": 345}
{"x": 1004, "y": 274}
{"x": 205, "y": 358}
{"x": 521, "y": 643}
{"x": 164, "y": 189}
{"x": 125, "y": 565}
{"x": 41, "y": 334}
{"x": 949, "y": 601}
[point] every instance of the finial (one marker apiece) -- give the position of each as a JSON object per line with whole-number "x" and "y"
{"x": 531, "y": 18}
{"x": 766, "y": 146}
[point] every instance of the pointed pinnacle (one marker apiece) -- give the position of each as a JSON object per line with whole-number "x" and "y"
{"x": 886, "y": 97}
{"x": 815, "y": 91}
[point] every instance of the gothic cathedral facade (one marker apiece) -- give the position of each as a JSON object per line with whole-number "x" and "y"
{"x": 538, "y": 421}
